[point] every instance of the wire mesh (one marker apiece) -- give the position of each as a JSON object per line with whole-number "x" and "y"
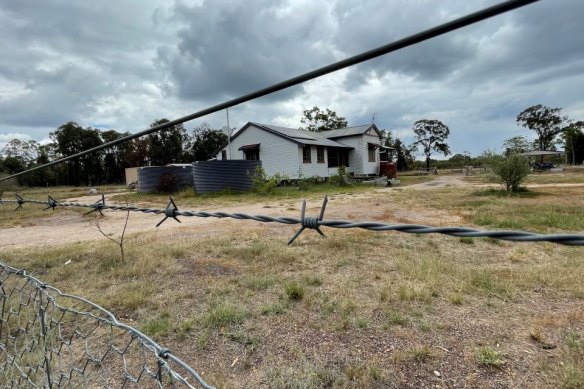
{"x": 49, "y": 339}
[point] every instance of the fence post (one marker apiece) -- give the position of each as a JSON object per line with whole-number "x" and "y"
{"x": 44, "y": 337}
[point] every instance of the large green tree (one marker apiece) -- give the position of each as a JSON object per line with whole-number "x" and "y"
{"x": 317, "y": 120}
{"x": 431, "y": 137}
{"x": 166, "y": 146}
{"x": 205, "y": 142}
{"x": 71, "y": 139}
{"x": 545, "y": 121}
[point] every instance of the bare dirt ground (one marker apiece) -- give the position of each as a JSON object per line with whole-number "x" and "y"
{"x": 71, "y": 227}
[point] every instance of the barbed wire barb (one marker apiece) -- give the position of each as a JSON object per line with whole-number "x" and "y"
{"x": 20, "y": 201}
{"x": 171, "y": 211}
{"x": 52, "y": 203}
{"x": 97, "y": 206}
{"x": 310, "y": 222}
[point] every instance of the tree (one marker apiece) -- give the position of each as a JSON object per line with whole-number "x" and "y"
{"x": 516, "y": 145}
{"x": 166, "y": 146}
{"x": 403, "y": 155}
{"x": 206, "y": 141}
{"x": 545, "y": 121}
{"x": 26, "y": 151}
{"x": 317, "y": 120}
{"x": 573, "y": 137}
{"x": 71, "y": 139}
{"x": 431, "y": 135}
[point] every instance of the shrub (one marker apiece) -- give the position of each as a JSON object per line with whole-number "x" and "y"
{"x": 510, "y": 171}
{"x": 264, "y": 184}
{"x": 338, "y": 177}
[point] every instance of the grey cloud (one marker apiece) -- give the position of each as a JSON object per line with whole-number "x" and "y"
{"x": 224, "y": 51}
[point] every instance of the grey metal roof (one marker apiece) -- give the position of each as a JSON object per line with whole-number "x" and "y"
{"x": 535, "y": 153}
{"x": 301, "y": 136}
{"x": 349, "y": 131}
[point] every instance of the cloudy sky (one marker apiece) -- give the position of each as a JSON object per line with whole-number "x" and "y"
{"x": 122, "y": 64}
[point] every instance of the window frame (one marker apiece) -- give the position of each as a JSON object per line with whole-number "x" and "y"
{"x": 306, "y": 154}
{"x": 372, "y": 155}
{"x": 320, "y": 154}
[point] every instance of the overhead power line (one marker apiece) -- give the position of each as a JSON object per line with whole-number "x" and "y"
{"x": 365, "y": 56}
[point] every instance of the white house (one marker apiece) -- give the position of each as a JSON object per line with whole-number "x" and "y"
{"x": 293, "y": 152}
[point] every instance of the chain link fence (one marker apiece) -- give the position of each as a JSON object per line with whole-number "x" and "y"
{"x": 49, "y": 339}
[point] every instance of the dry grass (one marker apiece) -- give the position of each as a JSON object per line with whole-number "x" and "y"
{"x": 357, "y": 309}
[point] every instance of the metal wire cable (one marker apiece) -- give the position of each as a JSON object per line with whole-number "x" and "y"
{"x": 422, "y": 36}
{"x": 57, "y": 331}
{"x": 172, "y": 211}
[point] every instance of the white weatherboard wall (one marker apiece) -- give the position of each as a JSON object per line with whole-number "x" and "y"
{"x": 278, "y": 155}
{"x": 313, "y": 168}
{"x": 370, "y": 167}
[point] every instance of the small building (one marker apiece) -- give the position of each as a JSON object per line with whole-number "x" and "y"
{"x": 294, "y": 153}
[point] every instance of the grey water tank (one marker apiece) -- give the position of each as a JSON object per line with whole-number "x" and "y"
{"x": 177, "y": 176}
{"x": 218, "y": 175}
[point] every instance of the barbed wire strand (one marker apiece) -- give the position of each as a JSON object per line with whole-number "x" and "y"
{"x": 46, "y": 297}
{"x": 172, "y": 211}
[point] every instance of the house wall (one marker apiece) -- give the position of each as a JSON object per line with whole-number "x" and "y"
{"x": 370, "y": 167}
{"x": 313, "y": 168}
{"x": 359, "y": 156}
{"x": 277, "y": 154}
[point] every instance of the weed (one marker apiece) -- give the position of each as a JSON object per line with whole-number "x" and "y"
{"x": 276, "y": 308}
{"x": 224, "y": 314}
{"x": 260, "y": 283}
{"x": 489, "y": 357}
{"x": 421, "y": 353}
{"x": 159, "y": 326}
{"x": 294, "y": 291}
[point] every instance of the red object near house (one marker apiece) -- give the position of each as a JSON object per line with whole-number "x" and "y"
{"x": 388, "y": 169}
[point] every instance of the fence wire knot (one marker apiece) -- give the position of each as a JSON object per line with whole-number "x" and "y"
{"x": 52, "y": 203}
{"x": 171, "y": 210}
{"x": 310, "y": 222}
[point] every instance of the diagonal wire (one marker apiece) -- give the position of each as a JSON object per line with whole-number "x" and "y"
{"x": 422, "y": 36}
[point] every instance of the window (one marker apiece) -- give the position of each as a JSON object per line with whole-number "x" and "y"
{"x": 338, "y": 157}
{"x": 320, "y": 154}
{"x": 306, "y": 157}
{"x": 251, "y": 152}
{"x": 371, "y": 150}
{"x": 224, "y": 154}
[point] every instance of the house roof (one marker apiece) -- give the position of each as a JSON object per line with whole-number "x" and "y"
{"x": 297, "y": 136}
{"x": 350, "y": 131}
{"x": 536, "y": 153}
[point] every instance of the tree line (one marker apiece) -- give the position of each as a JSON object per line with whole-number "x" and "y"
{"x": 172, "y": 145}
{"x": 176, "y": 145}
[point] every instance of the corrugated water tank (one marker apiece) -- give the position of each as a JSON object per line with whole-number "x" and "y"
{"x": 218, "y": 175}
{"x": 164, "y": 178}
